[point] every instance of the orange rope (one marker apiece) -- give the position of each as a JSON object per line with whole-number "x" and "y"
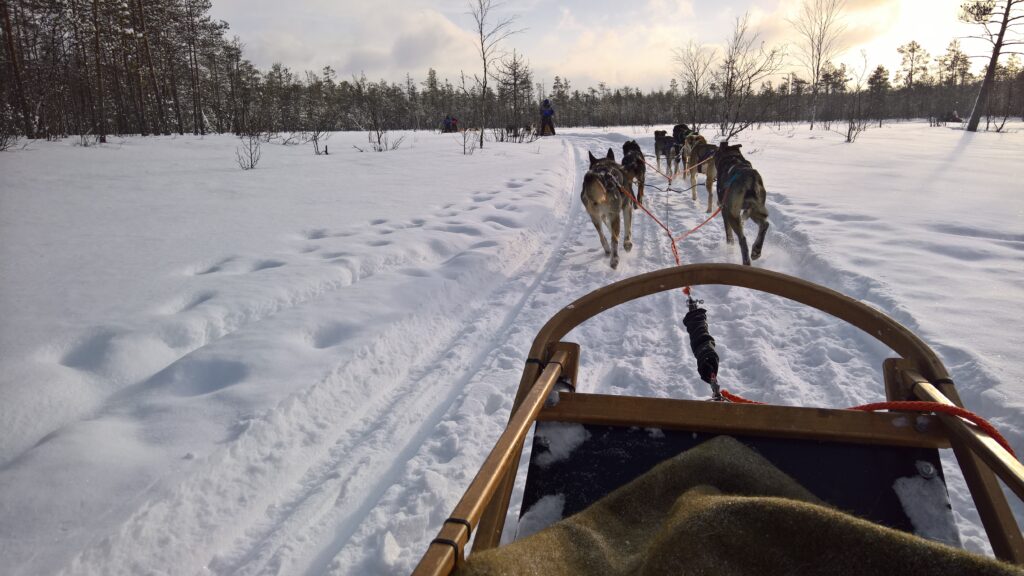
{"x": 913, "y": 406}
{"x": 675, "y": 250}
{"x": 670, "y": 179}
{"x": 655, "y": 168}
{"x": 668, "y": 232}
{"x": 697, "y": 227}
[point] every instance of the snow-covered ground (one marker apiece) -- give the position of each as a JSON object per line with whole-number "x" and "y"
{"x": 298, "y": 369}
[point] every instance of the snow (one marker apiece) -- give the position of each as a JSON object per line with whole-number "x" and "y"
{"x": 560, "y": 439}
{"x": 298, "y": 369}
{"x": 542, "y": 514}
{"x": 917, "y": 495}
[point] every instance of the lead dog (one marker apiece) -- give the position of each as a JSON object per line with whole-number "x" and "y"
{"x": 605, "y": 200}
{"x": 741, "y": 193}
{"x": 634, "y": 168}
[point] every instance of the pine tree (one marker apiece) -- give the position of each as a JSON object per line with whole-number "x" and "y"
{"x": 878, "y": 90}
{"x": 915, "y": 63}
{"x": 1004, "y": 14}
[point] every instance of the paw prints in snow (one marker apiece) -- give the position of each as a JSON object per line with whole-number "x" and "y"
{"x": 331, "y": 334}
{"x": 192, "y": 376}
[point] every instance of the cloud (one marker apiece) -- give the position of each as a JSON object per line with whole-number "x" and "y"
{"x": 432, "y": 41}
{"x": 585, "y": 40}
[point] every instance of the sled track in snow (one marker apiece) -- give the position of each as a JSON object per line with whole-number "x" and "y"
{"x": 398, "y": 420}
{"x": 344, "y": 482}
{"x": 577, "y": 267}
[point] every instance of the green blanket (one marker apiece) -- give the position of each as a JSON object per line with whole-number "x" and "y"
{"x": 721, "y": 509}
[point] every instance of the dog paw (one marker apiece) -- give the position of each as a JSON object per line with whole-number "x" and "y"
{"x": 614, "y": 263}
{"x": 627, "y": 245}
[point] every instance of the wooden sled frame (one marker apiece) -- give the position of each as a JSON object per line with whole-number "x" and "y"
{"x": 917, "y": 375}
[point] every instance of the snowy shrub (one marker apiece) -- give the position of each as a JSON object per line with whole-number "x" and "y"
{"x": 318, "y": 137}
{"x": 517, "y": 135}
{"x": 468, "y": 140}
{"x": 8, "y": 135}
{"x": 382, "y": 142}
{"x": 290, "y": 139}
{"x": 248, "y": 152}
{"x": 86, "y": 140}
{"x": 7, "y": 138}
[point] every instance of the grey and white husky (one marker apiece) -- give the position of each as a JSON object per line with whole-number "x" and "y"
{"x": 605, "y": 199}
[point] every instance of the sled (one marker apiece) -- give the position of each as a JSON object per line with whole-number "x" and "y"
{"x": 849, "y": 460}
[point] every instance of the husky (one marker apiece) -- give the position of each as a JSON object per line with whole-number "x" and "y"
{"x": 665, "y": 145}
{"x": 741, "y": 194}
{"x": 605, "y": 200}
{"x": 680, "y": 132}
{"x": 634, "y": 168}
{"x": 697, "y": 150}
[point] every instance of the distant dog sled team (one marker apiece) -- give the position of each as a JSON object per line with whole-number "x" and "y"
{"x": 610, "y": 197}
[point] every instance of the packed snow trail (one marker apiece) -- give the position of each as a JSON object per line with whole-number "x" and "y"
{"x": 772, "y": 349}
{"x": 317, "y": 401}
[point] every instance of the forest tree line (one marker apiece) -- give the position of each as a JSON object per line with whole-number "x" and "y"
{"x": 99, "y": 67}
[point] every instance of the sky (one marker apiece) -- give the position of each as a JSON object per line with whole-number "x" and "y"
{"x": 619, "y": 43}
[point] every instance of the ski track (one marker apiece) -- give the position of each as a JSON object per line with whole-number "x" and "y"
{"x": 380, "y": 418}
{"x": 338, "y": 493}
{"x": 355, "y": 477}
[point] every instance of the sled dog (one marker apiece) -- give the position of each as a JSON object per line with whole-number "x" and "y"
{"x": 696, "y": 150}
{"x": 605, "y": 201}
{"x": 741, "y": 194}
{"x": 665, "y": 145}
{"x": 634, "y": 169}
{"x": 680, "y": 132}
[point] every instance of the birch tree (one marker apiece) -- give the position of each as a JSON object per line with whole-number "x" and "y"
{"x": 819, "y": 25}
{"x": 490, "y": 34}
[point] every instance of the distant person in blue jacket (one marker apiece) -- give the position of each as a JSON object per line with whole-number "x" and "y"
{"x": 547, "y": 119}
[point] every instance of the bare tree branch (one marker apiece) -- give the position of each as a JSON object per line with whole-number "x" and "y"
{"x": 743, "y": 66}
{"x": 694, "y": 61}
{"x": 820, "y": 27}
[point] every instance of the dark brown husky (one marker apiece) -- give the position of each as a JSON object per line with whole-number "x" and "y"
{"x": 634, "y": 168}
{"x": 741, "y": 193}
{"x": 697, "y": 153}
{"x": 605, "y": 200}
{"x": 665, "y": 145}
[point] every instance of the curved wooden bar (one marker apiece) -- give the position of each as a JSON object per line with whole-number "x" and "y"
{"x": 446, "y": 551}
{"x": 917, "y": 358}
{"x": 871, "y": 321}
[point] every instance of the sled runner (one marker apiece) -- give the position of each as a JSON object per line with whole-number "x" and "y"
{"x": 653, "y": 485}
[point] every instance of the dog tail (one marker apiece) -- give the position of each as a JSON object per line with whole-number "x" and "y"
{"x": 593, "y": 188}
{"x": 761, "y": 195}
{"x": 754, "y": 193}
